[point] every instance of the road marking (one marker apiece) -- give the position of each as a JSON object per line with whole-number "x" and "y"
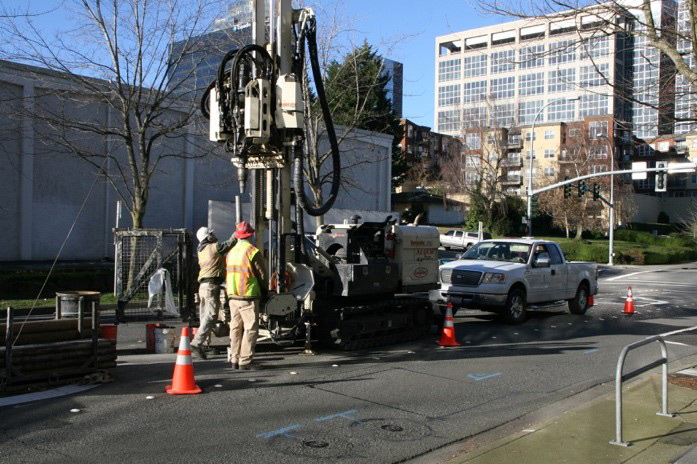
{"x": 627, "y": 275}
{"x": 478, "y": 377}
{"x": 284, "y": 431}
{"x": 691, "y": 372}
{"x": 344, "y": 414}
{"x": 55, "y": 393}
{"x": 651, "y": 301}
{"x": 592, "y": 350}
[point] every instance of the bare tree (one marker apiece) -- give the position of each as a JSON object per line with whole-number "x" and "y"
{"x": 585, "y": 154}
{"x": 115, "y": 55}
{"x": 479, "y": 172}
{"x": 689, "y": 226}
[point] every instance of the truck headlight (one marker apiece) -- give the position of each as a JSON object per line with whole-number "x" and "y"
{"x": 493, "y": 278}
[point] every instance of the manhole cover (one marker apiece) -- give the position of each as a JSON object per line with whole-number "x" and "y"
{"x": 391, "y": 429}
{"x": 315, "y": 443}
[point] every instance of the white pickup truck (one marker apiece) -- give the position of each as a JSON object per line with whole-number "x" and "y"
{"x": 456, "y": 238}
{"x": 507, "y": 275}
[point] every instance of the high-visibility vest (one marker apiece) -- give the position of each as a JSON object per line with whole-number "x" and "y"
{"x": 211, "y": 262}
{"x": 241, "y": 280}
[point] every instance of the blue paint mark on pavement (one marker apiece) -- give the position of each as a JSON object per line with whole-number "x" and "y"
{"x": 344, "y": 414}
{"x": 592, "y": 350}
{"x": 283, "y": 431}
{"x": 478, "y": 377}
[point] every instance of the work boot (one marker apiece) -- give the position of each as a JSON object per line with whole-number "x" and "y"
{"x": 250, "y": 367}
{"x": 198, "y": 352}
{"x": 235, "y": 365}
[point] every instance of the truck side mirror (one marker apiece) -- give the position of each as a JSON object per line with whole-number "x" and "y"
{"x": 542, "y": 260}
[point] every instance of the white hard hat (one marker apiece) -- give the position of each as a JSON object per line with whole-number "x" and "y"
{"x": 203, "y": 232}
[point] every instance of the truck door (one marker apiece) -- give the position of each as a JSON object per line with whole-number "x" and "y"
{"x": 558, "y": 273}
{"x": 458, "y": 238}
{"x": 539, "y": 278}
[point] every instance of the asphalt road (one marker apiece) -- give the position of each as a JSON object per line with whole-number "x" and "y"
{"x": 382, "y": 406}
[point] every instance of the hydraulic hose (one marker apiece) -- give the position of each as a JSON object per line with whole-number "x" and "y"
{"x": 329, "y": 124}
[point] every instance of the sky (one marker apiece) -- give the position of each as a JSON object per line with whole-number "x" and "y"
{"x": 417, "y": 23}
{"x": 401, "y": 30}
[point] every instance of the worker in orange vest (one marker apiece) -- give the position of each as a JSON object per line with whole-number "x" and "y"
{"x": 246, "y": 286}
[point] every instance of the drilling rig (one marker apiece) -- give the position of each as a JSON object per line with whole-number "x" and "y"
{"x": 353, "y": 285}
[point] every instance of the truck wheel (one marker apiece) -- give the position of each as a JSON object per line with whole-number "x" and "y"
{"x": 515, "y": 310}
{"x": 579, "y": 303}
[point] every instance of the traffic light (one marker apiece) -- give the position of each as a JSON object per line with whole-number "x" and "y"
{"x": 582, "y": 187}
{"x": 567, "y": 188}
{"x": 661, "y": 180}
{"x": 596, "y": 192}
{"x": 533, "y": 206}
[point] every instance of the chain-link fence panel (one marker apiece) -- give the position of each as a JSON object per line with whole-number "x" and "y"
{"x": 145, "y": 254}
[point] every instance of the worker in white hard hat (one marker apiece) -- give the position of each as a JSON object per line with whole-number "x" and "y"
{"x": 211, "y": 260}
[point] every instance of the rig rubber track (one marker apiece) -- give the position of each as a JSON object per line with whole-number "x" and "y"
{"x": 415, "y": 329}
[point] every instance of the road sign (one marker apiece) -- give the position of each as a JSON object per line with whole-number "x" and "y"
{"x": 639, "y": 175}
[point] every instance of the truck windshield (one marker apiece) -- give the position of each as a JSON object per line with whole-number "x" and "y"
{"x": 499, "y": 251}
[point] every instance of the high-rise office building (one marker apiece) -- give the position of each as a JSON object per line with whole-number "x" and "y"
{"x": 562, "y": 74}
{"x": 193, "y": 63}
{"x": 503, "y": 75}
{"x": 395, "y": 70}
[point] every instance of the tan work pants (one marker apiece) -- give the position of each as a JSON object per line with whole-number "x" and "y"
{"x": 209, "y": 295}
{"x": 244, "y": 328}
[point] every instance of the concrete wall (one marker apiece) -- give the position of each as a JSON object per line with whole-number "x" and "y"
{"x": 677, "y": 208}
{"x": 221, "y": 217}
{"x": 42, "y": 188}
{"x": 439, "y": 215}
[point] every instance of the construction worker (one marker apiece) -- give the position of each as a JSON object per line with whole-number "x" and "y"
{"x": 211, "y": 260}
{"x": 245, "y": 286}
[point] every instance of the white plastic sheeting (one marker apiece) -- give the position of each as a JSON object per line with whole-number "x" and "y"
{"x": 159, "y": 279}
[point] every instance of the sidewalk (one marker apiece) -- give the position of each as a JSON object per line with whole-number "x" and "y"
{"x": 582, "y": 434}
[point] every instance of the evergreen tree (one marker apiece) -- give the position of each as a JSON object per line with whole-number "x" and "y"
{"x": 357, "y": 92}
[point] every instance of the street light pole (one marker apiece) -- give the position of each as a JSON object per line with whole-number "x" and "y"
{"x": 532, "y": 151}
{"x": 611, "y": 232}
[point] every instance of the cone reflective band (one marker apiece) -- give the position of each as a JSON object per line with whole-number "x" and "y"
{"x": 447, "y": 337}
{"x": 629, "y": 303}
{"x": 183, "y": 382}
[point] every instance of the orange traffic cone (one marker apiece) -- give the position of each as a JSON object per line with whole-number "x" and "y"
{"x": 629, "y": 303}
{"x": 183, "y": 382}
{"x": 591, "y": 301}
{"x": 447, "y": 337}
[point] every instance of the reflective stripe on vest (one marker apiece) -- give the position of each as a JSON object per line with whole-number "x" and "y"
{"x": 241, "y": 280}
{"x": 211, "y": 262}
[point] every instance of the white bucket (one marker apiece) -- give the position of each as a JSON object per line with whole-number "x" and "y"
{"x": 164, "y": 340}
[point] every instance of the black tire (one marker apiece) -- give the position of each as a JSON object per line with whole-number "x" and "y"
{"x": 515, "y": 311}
{"x": 446, "y": 248}
{"x": 579, "y": 303}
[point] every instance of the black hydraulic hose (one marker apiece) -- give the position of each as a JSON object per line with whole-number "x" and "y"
{"x": 329, "y": 124}
{"x": 300, "y": 229}
{"x": 205, "y": 104}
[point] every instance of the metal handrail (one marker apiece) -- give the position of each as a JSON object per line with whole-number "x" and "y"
{"x": 619, "y": 378}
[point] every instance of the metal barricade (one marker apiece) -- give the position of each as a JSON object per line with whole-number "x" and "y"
{"x": 619, "y": 378}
